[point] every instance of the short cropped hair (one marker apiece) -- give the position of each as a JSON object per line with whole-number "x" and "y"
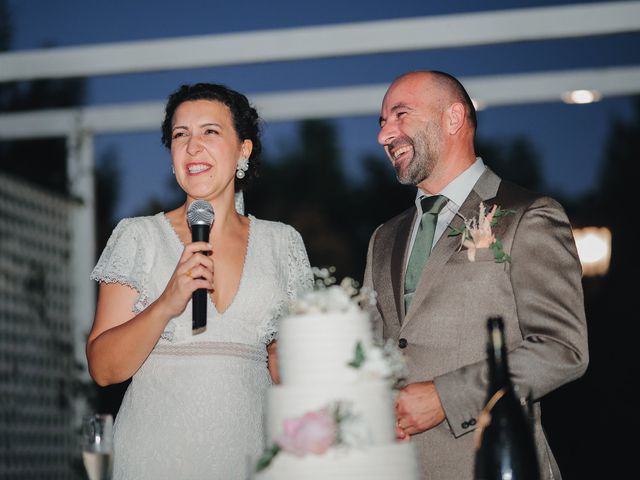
{"x": 458, "y": 92}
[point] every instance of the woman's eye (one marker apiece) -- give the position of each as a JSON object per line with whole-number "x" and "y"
{"x": 210, "y": 131}
{"x": 178, "y": 134}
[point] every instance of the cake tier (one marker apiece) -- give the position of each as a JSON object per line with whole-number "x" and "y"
{"x": 382, "y": 462}
{"x": 370, "y": 399}
{"x": 317, "y": 348}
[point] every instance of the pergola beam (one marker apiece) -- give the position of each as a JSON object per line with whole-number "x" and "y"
{"x": 322, "y": 103}
{"x": 421, "y": 33}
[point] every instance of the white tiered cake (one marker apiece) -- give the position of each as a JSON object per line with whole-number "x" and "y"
{"x": 328, "y": 359}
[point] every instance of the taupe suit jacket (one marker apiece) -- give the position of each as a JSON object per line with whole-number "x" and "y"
{"x": 538, "y": 294}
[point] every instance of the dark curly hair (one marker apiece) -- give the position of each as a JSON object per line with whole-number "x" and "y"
{"x": 245, "y": 119}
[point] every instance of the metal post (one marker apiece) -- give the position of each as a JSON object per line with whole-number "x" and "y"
{"x": 80, "y": 175}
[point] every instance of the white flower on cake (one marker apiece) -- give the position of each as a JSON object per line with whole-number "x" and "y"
{"x": 353, "y": 431}
{"x": 386, "y": 362}
{"x": 330, "y": 298}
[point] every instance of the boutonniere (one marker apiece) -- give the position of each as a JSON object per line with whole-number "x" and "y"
{"x": 476, "y": 233}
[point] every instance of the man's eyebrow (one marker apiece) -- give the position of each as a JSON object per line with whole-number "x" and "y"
{"x": 395, "y": 108}
{"x": 399, "y": 106}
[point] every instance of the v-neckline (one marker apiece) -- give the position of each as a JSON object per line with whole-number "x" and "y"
{"x": 244, "y": 262}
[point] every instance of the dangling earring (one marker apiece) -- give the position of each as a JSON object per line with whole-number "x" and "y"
{"x": 173, "y": 170}
{"x": 243, "y": 166}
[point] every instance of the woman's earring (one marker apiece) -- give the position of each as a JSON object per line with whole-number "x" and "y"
{"x": 243, "y": 166}
{"x": 173, "y": 170}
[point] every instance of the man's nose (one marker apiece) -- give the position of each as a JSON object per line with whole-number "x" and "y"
{"x": 386, "y": 134}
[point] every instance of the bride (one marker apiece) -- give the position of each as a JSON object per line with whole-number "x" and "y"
{"x": 194, "y": 406}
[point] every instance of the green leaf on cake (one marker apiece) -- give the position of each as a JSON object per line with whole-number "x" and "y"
{"x": 359, "y": 356}
{"x": 265, "y": 460}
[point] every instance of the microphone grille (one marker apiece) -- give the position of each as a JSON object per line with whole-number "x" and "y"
{"x": 200, "y": 212}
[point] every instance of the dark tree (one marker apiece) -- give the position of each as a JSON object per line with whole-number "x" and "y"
{"x": 515, "y": 160}
{"x": 589, "y": 419}
{"x": 307, "y": 188}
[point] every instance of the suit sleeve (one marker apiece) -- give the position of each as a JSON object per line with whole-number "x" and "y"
{"x": 545, "y": 275}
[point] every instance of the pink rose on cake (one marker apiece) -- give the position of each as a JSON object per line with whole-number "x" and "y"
{"x": 317, "y": 431}
{"x": 314, "y": 432}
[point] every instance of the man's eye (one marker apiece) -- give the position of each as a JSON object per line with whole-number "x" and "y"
{"x": 210, "y": 131}
{"x": 401, "y": 114}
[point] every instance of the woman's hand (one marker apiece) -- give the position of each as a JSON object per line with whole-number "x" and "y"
{"x": 194, "y": 271}
{"x": 272, "y": 362}
{"x": 120, "y": 340}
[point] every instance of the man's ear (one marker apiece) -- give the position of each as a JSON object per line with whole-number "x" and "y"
{"x": 456, "y": 118}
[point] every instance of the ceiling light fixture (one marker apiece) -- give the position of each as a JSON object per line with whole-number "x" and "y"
{"x": 581, "y": 96}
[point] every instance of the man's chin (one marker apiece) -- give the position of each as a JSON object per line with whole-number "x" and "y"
{"x": 405, "y": 178}
{"x": 404, "y": 173}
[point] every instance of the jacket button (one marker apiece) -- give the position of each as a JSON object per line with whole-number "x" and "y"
{"x": 464, "y": 425}
{"x": 402, "y": 343}
{"x": 472, "y": 422}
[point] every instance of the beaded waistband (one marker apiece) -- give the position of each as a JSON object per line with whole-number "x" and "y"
{"x": 230, "y": 349}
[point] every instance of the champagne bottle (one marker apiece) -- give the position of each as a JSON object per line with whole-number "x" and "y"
{"x": 505, "y": 448}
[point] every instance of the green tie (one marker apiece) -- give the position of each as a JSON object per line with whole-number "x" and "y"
{"x": 421, "y": 250}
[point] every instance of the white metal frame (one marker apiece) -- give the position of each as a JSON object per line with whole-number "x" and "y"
{"x": 322, "y": 103}
{"x": 422, "y": 33}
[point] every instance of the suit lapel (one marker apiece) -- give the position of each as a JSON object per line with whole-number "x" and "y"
{"x": 485, "y": 188}
{"x": 398, "y": 260}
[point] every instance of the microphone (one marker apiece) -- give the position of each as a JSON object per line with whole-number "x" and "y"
{"x": 200, "y": 216}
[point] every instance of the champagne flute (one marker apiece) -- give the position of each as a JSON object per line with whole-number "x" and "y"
{"x": 97, "y": 446}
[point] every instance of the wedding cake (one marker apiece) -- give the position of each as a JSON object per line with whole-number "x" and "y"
{"x": 332, "y": 416}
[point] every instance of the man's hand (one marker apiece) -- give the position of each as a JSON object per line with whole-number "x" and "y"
{"x": 418, "y": 408}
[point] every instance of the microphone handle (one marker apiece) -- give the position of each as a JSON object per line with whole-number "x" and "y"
{"x": 199, "y": 233}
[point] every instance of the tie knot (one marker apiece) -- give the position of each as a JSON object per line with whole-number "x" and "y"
{"x": 433, "y": 204}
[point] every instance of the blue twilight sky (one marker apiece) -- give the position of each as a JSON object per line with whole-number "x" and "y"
{"x": 568, "y": 138}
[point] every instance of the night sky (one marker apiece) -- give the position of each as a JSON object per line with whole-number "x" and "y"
{"x": 568, "y": 138}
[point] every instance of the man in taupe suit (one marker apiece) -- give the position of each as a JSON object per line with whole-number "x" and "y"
{"x": 532, "y": 280}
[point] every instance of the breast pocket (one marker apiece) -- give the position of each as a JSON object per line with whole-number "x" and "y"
{"x": 482, "y": 255}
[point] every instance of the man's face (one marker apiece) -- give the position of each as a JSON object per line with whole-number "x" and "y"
{"x": 410, "y": 130}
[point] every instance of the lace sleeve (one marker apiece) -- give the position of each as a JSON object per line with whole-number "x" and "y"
{"x": 123, "y": 261}
{"x": 300, "y": 278}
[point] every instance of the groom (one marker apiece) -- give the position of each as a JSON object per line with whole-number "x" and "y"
{"x": 434, "y": 296}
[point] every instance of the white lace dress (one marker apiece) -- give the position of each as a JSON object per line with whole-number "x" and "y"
{"x": 194, "y": 408}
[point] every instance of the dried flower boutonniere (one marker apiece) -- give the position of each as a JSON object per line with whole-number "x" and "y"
{"x": 476, "y": 233}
